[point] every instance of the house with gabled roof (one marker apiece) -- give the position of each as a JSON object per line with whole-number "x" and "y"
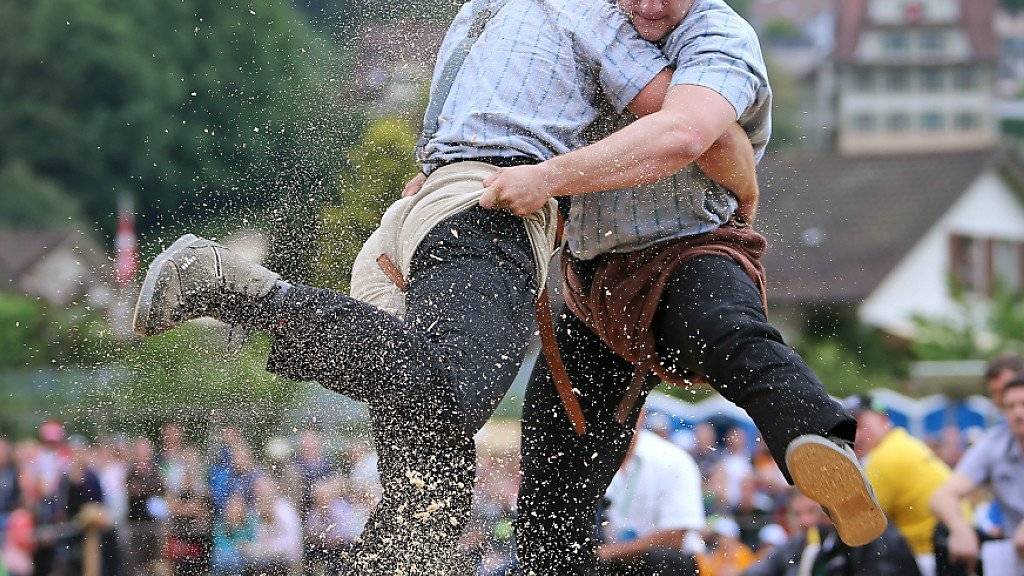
{"x": 60, "y": 266}
{"x": 891, "y": 236}
{"x": 915, "y": 75}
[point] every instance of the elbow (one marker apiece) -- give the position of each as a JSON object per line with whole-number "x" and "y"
{"x": 937, "y": 501}
{"x": 684, "y": 145}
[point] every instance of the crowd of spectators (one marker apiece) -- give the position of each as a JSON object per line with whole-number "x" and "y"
{"x": 126, "y": 506}
{"x": 711, "y": 501}
{"x": 750, "y": 521}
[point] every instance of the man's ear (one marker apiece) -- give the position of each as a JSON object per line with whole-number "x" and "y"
{"x": 650, "y": 99}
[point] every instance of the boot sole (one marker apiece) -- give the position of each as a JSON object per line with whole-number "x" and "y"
{"x": 828, "y": 475}
{"x": 143, "y": 323}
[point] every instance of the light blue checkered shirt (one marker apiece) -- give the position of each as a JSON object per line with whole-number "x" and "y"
{"x": 715, "y": 48}
{"x": 533, "y": 80}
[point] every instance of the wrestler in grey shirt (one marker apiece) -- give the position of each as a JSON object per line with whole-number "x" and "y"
{"x": 715, "y": 48}
{"x": 534, "y": 79}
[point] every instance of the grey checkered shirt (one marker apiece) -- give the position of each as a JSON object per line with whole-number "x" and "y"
{"x": 532, "y": 82}
{"x": 715, "y": 48}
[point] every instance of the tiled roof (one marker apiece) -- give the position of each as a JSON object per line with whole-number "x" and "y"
{"x": 977, "y": 20}
{"x": 21, "y": 249}
{"x": 836, "y": 225}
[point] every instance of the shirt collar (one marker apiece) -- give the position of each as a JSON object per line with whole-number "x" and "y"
{"x": 1015, "y": 451}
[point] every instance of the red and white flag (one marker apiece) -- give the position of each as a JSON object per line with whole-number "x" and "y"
{"x": 127, "y": 247}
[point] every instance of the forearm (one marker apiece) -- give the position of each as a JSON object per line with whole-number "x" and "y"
{"x": 671, "y": 539}
{"x": 947, "y": 508}
{"x": 730, "y": 163}
{"x": 650, "y": 149}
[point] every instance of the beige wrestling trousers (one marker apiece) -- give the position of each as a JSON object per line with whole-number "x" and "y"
{"x": 447, "y": 191}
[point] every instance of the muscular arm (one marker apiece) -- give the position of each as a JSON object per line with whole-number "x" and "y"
{"x": 730, "y": 163}
{"x": 730, "y": 159}
{"x": 654, "y": 147}
{"x": 651, "y": 97}
{"x": 657, "y": 145}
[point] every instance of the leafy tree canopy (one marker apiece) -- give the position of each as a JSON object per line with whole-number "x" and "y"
{"x": 189, "y": 105}
{"x": 381, "y": 163}
{"x": 982, "y": 330}
{"x": 1013, "y": 5}
{"x": 28, "y": 200}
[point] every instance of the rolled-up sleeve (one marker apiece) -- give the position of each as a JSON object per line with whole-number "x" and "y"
{"x": 976, "y": 463}
{"x": 718, "y": 50}
{"x": 625, "y": 62}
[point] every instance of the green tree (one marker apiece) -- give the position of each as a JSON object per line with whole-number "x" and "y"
{"x": 343, "y": 16}
{"x": 999, "y": 328}
{"x": 192, "y": 106}
{"x": 33, "y": 334}
{"x": 30, "y": 201}
{"x": 844, "y": 368}
{"x": 381, "y": 163}
{"x": 742, "y": 7}
{"x": 172, "y": 375}
{"x": 786, "y": 107}
{"x": 23, "y": 331}
{"x": 1013, "y": 5}
{"x": 780, "y": 30}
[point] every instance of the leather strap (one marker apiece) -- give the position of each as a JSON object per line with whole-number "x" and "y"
{"x": 392, "y": 271}
{"x": 563, "y": 385}
{"x": 549, "y": 344}
{"x": 629, "y": 400}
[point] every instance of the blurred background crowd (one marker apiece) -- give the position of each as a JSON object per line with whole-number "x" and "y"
{"x": 707, "y": 498}
{"x": 286, "y": 506}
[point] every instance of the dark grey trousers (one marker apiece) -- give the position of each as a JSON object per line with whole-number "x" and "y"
{"x": 431, "y": 380}
{"x": 711, "y": 318}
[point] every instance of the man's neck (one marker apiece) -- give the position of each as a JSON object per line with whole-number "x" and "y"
{"x": 881, "y": 439}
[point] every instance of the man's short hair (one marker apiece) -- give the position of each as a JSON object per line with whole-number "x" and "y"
{"x": 1016, "y": 382}
{"x": 1012, "y": 362}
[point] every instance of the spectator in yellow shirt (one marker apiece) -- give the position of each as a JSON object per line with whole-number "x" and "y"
{"x": 728, "y": 556}
{"x": 904, "y": 472}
